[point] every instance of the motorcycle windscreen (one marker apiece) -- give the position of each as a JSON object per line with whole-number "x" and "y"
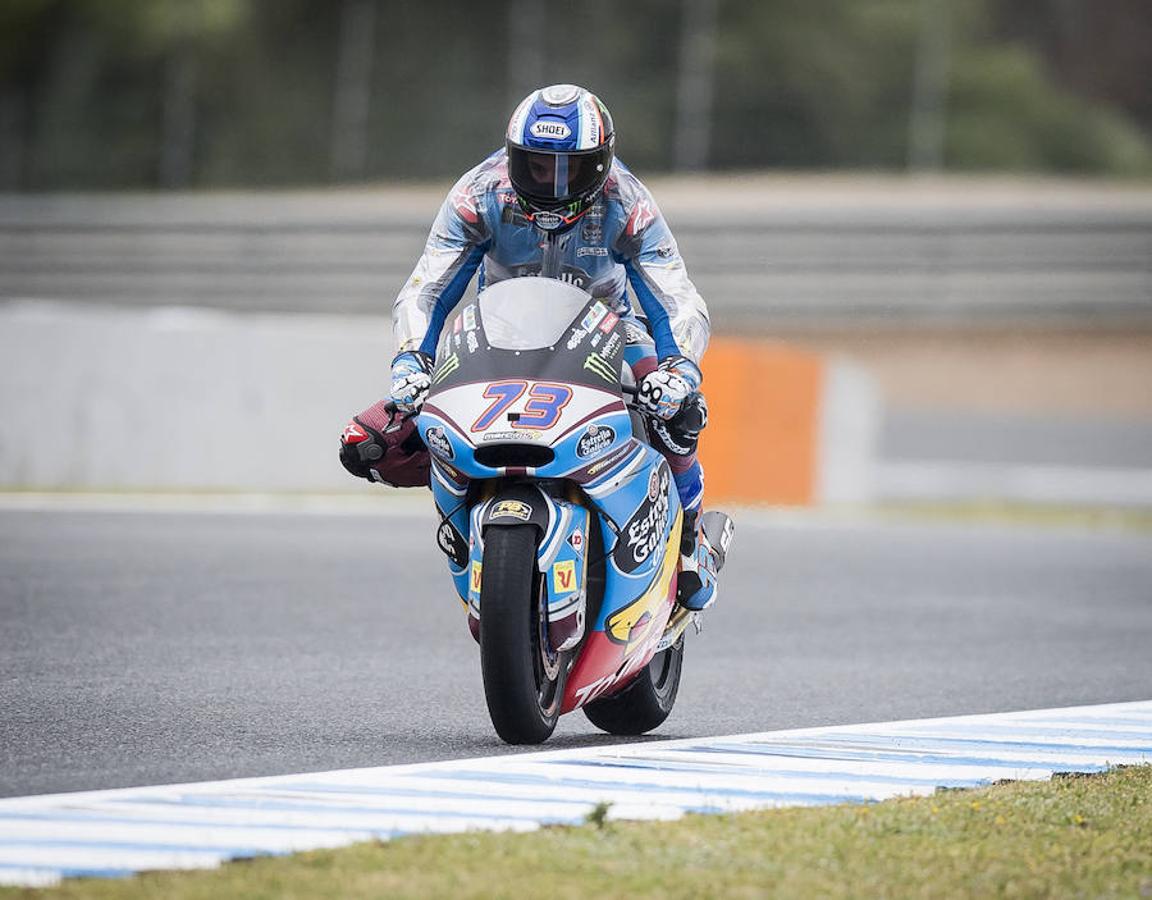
{"x": 529, "y": 313}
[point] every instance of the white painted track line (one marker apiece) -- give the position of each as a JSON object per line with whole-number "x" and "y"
{"x": 194, "y": 826}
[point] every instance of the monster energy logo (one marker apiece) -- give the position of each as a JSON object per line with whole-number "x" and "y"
{"x": 450, "y": 365}
{"x": 596, "y": 363}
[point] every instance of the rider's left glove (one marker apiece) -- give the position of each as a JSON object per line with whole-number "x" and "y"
{"x": 411, "y": 379}
{"x": 664, "y": 389}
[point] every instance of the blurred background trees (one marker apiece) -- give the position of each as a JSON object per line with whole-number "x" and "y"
{"x": 203, "y": 93}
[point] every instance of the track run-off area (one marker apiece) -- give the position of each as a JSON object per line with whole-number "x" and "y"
{"x": 158, "y": 643}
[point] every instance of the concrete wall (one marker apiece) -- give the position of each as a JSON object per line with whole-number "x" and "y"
{"x": 180, "y": 399}
{"x": 189, "y": 399}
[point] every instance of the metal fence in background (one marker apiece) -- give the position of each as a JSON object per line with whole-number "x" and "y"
{"x": 938, "y": 262}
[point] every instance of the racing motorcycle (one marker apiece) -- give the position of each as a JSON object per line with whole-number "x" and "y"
{"x": 562, "y": 526}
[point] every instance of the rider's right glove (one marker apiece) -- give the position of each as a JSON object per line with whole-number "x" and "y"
{"x": 663, "y": 391}
{"x": 411, "y": 379}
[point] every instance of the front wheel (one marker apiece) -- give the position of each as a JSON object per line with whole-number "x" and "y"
{"x": 647, "y": 701}
{"x": 523, "y": 676}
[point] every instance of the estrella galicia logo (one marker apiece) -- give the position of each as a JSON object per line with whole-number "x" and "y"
{"x": 641, "y": 537}
{"x": 438, "y": 442}
{"x": 595, "y": 441}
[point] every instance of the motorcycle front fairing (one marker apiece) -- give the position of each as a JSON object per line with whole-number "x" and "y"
{"x": 529, "y": 398}
{"x": 518, "y": 393}
{"x": 527, "y": 389}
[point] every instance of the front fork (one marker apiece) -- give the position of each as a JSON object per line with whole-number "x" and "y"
{"x": 562, "y": 556}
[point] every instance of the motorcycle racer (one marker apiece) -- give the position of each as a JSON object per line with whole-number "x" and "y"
{"x": 555, "y": 202}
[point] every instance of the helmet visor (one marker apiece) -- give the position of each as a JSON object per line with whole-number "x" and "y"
{"x": 560, "y": 177}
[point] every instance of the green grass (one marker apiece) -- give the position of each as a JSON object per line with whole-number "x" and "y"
{"x": 1071, "y": 837}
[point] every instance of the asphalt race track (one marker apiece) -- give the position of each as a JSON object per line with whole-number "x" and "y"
{"x": 149, "y": 647}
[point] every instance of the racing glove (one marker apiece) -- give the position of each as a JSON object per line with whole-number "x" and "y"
{"x": 663, "y": 390}
{"x": 411, "y": 379}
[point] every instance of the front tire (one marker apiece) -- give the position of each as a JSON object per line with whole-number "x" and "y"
{"x": 647, "y": 701}
{"x": 523, "y": 677}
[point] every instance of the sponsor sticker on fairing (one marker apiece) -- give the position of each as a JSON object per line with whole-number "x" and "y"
{"x": 641, "y": 537}
{"x": 609, "y": 322}
{"x": 637, "y": 655}
{"x": 578, "y": 334}
{"x": 449, "y": 365}
{"x": 469, "y": 317}
{"x": 592, "y": 251}
{"x": 654, "y": 484}
{"x": 594, "y": 441}
{"x": 438, "y": 442}
{"x": 564, "y": 577}
{"x": 616, "y": 457}
{"x": 511, "y": 509}
{"x": 475, "y": 580}
{"x": 576, "y": 541}
{"x": 452, "y": 543}
{"x": 521, "y": 436}
{"x": 596, "y": 364}
{"x": 594, "y": 316}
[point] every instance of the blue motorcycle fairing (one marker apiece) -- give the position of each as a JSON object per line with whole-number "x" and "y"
{"x": 639, "y": 498}
{"x": 583, "y": 445}
{"x": 453, "y": 530}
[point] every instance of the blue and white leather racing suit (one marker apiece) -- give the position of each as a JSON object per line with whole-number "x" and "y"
{"x": 622, "y": 240}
